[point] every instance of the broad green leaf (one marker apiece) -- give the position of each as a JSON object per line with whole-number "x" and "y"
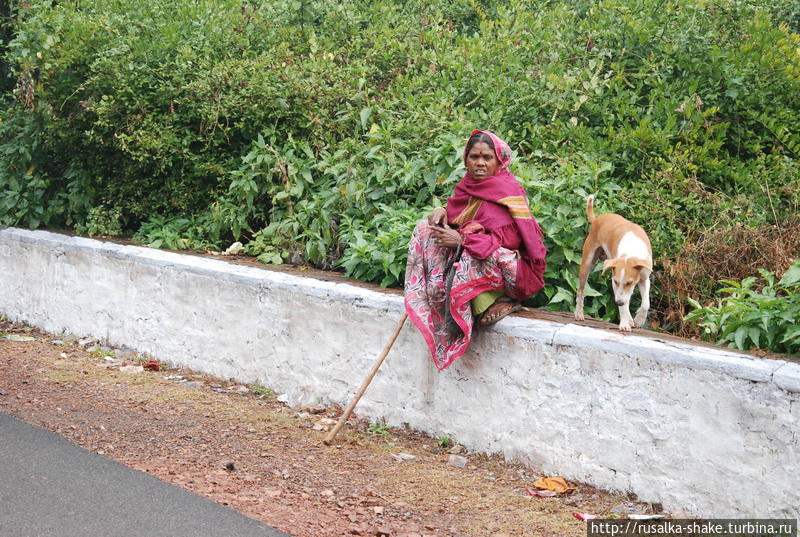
{"x": 365, "y": 115}
{"x": 562, "y": 295}
{"x": 591, "y": 291}
{"x": 792, "y": 274}
{"x": 740, "y": 337}
{"x": 754, "y": 334}
{"x": 572, "y": 256}
{"x": 792, "y": 334}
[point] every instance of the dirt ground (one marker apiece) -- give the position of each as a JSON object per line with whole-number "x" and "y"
{"x": 239, "y": 446}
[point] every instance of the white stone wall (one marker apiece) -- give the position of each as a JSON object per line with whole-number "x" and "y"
{"x": 705, "y": 432}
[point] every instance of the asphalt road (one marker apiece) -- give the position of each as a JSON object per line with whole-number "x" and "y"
{"x": 50, "y": 487}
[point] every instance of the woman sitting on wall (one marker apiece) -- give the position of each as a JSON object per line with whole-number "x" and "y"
{"x": 474, "y": 260}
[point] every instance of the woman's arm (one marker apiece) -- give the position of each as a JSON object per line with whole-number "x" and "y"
{"x": 444, "y": 234}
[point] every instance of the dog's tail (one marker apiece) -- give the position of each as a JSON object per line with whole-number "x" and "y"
{"x": 590, "y": 208}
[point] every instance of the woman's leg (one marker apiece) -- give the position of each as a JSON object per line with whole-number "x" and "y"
{"x": 427, "y": 293}
{"x": 483, "y": 301}
{"x": 492, "y": 306}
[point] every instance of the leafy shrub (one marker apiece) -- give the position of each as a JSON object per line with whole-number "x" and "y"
{"x": 174, "y": 233}
{"x": 317, "y": 132}
{"x": 101, "y": 221}
{"x": 316, "y": 204}
{"x": 726, "y": 251}
{"x": 7, "y": 33}
{"x": 26, "y": 179}
{"x": 377, "y": 250}
{"x": 755, "y": 313}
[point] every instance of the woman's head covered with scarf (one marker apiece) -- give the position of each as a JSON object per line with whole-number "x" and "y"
{"x": 501, "y": 149}
{"x": 502, "y": 189}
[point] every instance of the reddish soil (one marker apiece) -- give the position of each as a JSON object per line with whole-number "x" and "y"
{"x": 240, "y": 447}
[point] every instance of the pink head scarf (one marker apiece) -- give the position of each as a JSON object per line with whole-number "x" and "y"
{"x": 501, "y": 149}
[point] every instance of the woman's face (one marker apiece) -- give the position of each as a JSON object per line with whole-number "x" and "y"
{"x": 481, "y": 161}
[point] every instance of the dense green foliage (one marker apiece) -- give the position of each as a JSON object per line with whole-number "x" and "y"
{"x": 319, "y": 131}
{"x": 7, "y": 28}
{"x": 749, "y": 317}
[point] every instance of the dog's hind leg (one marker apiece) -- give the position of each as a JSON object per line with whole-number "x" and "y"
{"x": 588, "y": 260}
{"x": 579, "y": 299}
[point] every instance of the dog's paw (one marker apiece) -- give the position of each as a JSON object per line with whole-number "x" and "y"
{"x": 579, "y": 316}
{"x": 625, "y": 326}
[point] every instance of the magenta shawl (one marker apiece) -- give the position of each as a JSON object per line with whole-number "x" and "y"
{"x": 501, "y": 189}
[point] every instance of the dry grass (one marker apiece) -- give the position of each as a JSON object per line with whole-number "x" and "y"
{"x": 723, "y": 253}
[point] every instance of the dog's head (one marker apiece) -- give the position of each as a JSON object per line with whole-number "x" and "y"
{"x": 626, "y": 273}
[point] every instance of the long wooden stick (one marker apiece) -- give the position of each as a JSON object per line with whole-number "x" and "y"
{"x": 363, "y": 388}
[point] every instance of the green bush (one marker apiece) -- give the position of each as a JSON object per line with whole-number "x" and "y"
{"x": 755, "y": 313}
{"x": 377, "y": 250}
{"x": 318, "y": 131}
{"x": 7, "y": 33}
{"x": 101, "y": 221}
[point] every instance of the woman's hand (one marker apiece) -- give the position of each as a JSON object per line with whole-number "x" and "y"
{"x": 438, "y": 217}
{"x": 446, "y": 237}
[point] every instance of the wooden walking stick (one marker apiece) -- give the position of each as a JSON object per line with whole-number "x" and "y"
{"x": 363, "y": 388}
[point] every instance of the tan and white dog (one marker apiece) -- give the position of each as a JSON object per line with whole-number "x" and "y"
{"x": 627, "y": 252}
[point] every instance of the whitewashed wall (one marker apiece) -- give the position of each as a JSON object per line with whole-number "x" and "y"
{"x": 705, "y": 432}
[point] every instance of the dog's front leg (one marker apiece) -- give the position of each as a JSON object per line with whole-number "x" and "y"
{"x": 583, "y": 275}
{"x": 644, "y": 293}
{"x": 625, "y": 320}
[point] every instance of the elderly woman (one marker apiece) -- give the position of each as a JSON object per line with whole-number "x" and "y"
{"x": 473, "y": 261}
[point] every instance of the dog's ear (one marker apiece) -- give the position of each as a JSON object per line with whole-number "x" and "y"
{"x": 643, "y": 266}
{"x": 607, "y": 264}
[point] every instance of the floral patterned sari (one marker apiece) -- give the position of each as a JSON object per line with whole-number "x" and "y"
{"x": 442, "y": 312}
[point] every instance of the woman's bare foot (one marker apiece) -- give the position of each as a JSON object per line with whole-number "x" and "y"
{"x": 497, "y": 311}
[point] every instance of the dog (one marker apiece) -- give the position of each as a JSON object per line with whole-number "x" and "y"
{"x": 627, "y": 252}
